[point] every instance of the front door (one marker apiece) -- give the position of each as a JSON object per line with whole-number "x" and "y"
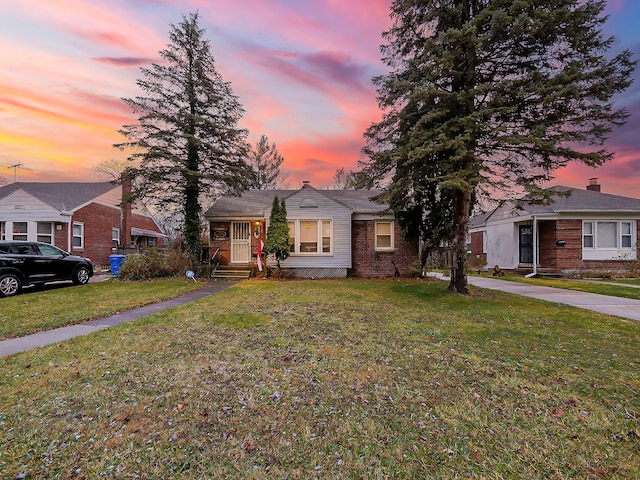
{"x": 240, "y": 242}
{"x": 526, "y": 243}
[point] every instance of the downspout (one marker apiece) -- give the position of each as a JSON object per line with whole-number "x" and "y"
{"x": 69, "y": 216}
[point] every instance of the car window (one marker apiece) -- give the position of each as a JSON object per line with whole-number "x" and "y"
{"x": 23, "y": 250}
{"x": 51, "y": 251}
{"x": 4, "y": 248}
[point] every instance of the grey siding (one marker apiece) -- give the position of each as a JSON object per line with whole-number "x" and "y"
{"x": 19, "y": 206}
{"x": 311, "y": 204}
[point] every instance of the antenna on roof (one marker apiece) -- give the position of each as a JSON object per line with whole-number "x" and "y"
{"x": 15, "y": 170}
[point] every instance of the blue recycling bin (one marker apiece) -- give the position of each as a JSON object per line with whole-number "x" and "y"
{"x": 116, "y": 262}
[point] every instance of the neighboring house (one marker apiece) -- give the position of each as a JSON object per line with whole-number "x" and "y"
{"x": 333, "y": 233}
{"x": 581, "y": 230}
{"x": 85, "y": 219}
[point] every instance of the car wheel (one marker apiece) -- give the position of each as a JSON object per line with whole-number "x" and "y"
{"x": 81, "y": 276}
{"x": 9, "y": 285}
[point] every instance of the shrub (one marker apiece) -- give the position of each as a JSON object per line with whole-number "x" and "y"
{"x": 154, "y": 264}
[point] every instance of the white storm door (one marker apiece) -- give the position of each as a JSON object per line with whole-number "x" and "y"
{"x": 240, "y": 242}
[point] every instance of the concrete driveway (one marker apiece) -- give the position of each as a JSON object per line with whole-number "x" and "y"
{"x": 620, "y": 307}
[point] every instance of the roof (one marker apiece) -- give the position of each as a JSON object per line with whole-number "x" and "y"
{"x": 63, "y": 196}
{"x": 258, "y": 202}
{"x": 581, "y": 200}
{"x": 567, "y": 200}
{"x": 141, "y": 232}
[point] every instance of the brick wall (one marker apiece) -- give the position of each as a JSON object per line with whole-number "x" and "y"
{"x": 477, "y": 250}
{"x": 569, "y": 257}
{"x": 548, "y": 236}
{"x": 98, "y": 221}
{"x": 369, "y": 263}
{"x": 224, "y": 243}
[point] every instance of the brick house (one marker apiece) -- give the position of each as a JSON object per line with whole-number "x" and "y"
{"x": 333, "y": 233}
{"x": 83, "y": 218}
{"x": 581, "y": 230}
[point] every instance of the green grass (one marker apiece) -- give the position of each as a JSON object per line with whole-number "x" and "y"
{"x": 604, "y": 287}
{"x": 35, "y": 311}
{"x": 332, "y": 379}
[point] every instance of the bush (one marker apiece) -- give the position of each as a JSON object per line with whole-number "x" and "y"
{"x": 154, "y": 264}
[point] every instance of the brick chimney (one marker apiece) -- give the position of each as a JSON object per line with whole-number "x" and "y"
{"x": 594, "y": 186}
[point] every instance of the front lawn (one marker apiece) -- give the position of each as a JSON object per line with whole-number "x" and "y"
{"x": 332, "y": 379}
{"x": 35, "y": 311}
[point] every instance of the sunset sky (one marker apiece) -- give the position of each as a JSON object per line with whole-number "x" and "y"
{"x": 301, "y": 69}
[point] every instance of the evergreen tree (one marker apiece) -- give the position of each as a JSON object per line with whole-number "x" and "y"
{"x": 277, "y": 241}
{"x": 187, "y": 143}
{"x": 266, "y": 161}
{"x": 490, "y": 94}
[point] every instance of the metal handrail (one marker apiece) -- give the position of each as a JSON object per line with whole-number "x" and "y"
{"x": 211, "y": 261}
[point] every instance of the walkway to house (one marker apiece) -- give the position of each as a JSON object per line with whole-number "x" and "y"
{"x": 40, "y": 339}
{"x": 620, "y": 307}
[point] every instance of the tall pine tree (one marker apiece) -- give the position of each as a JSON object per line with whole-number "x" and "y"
{"x": 485, "y": 95}
{"x": 187, "y": 143}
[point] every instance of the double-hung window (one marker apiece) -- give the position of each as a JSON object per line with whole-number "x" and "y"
{"x": 78, "y": 235}
{"x": 384, "y": 235}
{"x": 45, "y": 232}
{"x": 626, "y": 235}
{"x": 19, "y": 231}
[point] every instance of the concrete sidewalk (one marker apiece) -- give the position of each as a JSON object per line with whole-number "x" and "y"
{"x": 620, "y": 307}
{"x": 22, "y": 344}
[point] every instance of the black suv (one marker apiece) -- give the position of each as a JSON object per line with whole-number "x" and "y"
{"x": 35, "y": 263}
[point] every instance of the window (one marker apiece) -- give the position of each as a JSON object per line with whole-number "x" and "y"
{"x": 2, "y": 231}
{"x": 626, "y": 235}
{"x": 51, "y": 251}
{"x": 115, "y": 238}
{"x": 45, "y": 232}
{"x": 384, "y": 235}
{"x": 607, "y": 235}
{"x": 20, "y": 231}
{"x": 326, "y": 236}
{"x": 78, "y": 235}
{"x": 309, "y": 237}
{"x": 587, "y": 235}
{"x": 292, "y": 236}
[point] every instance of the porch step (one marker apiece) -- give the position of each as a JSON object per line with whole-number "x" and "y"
{"x": 231, "y": 272}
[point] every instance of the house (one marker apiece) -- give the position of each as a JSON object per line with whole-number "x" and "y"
{"x": 333, "y": 233}
{"x": 83, "y": 218}
{"x": 580, "y": 230}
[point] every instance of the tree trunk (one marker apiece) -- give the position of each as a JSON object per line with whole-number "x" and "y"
{"x": 461, "y": 207}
